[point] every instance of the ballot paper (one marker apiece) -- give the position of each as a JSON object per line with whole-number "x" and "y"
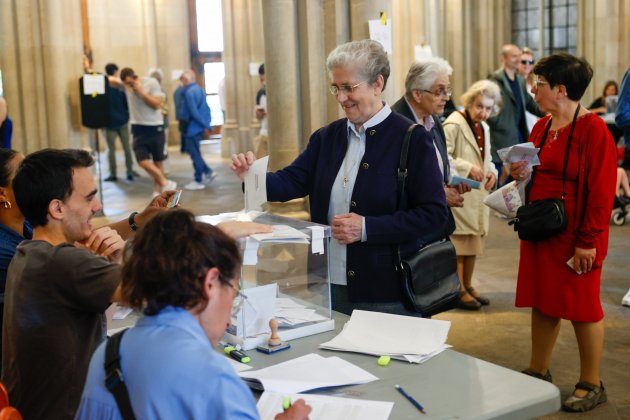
{"x": 403, "y": 337}
{"x": 253, "y": 317}
{"x": 506, "y": 200}
{"x": 325, "y": 407}
{"x": 520, "y": 152}
{"x": 122, "y": 312}
{"x": 290, "y": 313}
{"x": 306, "y": 373}
{"x": 284, "y": 234}
{"x": 256, "y": 184}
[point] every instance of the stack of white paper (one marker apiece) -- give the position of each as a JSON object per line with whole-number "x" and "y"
{"x": 325, "y": 407}
{"x": 289, "y": 313}
{"x": 413, "y": 339}
{"x": 307, "y": 373}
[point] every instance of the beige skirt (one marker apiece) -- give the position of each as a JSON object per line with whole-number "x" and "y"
{"x": 467, "y": 245}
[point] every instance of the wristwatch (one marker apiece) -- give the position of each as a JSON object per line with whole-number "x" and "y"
{"x": 132, "y": 221}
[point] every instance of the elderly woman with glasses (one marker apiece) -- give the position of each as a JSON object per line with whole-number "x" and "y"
{"x": 348, "y": 170}
{"x": 184, "y": 276}
{"x": 559, "y": 277}
{"x": 468, "y": 141}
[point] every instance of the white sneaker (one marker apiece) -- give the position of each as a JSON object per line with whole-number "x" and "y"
{"x": 170, "y": 185}
{"x": 194, "y": 186}
{"x": 626, "y": 299}
{"x": 207, "y": 179}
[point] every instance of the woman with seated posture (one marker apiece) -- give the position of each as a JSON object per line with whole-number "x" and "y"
{"x": 184, "y": 276}
{"x": 599, "y": 105}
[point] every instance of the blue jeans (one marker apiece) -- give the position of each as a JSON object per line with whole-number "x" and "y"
{"x": 192, "y": 147}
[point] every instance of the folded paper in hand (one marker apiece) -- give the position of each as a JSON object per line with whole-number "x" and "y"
{"x": 506, "y": 200}
{"x": 520, "y": 152}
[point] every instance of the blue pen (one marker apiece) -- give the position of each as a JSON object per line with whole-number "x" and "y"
{"x": 410, "y": 398}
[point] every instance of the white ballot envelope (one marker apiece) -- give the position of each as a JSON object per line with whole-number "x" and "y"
{"x": 256, "y": 185}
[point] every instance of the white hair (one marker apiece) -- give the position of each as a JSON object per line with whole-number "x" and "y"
{"x": 423, "y": 73}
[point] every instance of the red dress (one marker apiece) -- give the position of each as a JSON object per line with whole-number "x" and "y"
{"x": 545, "y": 281}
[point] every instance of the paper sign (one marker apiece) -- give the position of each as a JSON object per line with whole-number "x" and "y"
{"x": 317, "y": 239}
{"x": 381, "y": 33}
{"x": 256, "y": 185}
{"x": 93, "y": 84}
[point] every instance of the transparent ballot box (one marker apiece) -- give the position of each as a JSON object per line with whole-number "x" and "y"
{"x": 285, "y": 276}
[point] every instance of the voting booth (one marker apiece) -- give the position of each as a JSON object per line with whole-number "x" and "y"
{"x": 285, "y": 276}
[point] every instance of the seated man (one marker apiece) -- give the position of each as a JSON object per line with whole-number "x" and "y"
{"x": 60, "y": 283}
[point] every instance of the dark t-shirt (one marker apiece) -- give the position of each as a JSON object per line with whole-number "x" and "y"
{"x": 55, "y": 301}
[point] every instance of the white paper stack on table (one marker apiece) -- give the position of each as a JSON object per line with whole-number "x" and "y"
{"x": 407, "y": 338}
{"x": 325, "y": 407}
{"x": 306, "y": 373}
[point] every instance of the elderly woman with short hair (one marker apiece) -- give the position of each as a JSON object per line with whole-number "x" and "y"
{"x": 348, "y": 170}
{"x": 468, "y": 140}
{"x": 427, "y": 89}
{"x": 559, "y": 277}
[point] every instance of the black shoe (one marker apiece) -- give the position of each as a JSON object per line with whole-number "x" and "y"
{"x": 537, "y": 375}
{"x": 129, "y": 177}
{"x": 111, "y": 178}
{"x": 483, "y": 300}
{"x": 471, "y": 305}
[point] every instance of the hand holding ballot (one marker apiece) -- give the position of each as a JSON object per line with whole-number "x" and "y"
{"x": 520, "y": 171}
{"x": 520, "y": 159}
{"x": 241, "y": 163}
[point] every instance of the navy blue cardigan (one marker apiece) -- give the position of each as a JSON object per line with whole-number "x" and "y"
{"x": 370, "y": 269}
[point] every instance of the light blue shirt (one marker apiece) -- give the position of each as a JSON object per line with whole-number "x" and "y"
{"x": 342, "y": 191}
{"x": 171, "y": 372}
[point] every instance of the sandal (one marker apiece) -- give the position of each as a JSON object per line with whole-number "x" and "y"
{"x": 484, "y": 301}
{"x": 470, "y": 305}
{"x": 596, "y": 395}
{"x": 537, "y": 375}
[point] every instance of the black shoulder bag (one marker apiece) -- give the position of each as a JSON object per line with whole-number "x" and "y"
{"x": 428, "y": 276}
{"x": 543, "y": 219}
{"x": 114, "y": 380}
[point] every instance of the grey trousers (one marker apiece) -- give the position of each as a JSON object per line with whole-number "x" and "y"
{"x": 110, "y": 136}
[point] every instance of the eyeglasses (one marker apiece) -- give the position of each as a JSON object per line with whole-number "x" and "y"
{"x": 239, "y": 300}
{"x": 530, "y": 62}
{"x": 345, "y": 89}
{"x": 538, "y": 82}
{"x": 447, "y": 93}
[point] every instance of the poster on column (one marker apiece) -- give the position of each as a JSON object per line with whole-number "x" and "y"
{"x": 382, "y": 33}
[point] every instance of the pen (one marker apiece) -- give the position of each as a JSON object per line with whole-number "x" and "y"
{"x": 410, "y": 398}
{"x": 286, "y": 403}
{"x": 236, "y": 354}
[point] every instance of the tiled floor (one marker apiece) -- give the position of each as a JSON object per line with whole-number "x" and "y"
{"x": 498, "y": 333}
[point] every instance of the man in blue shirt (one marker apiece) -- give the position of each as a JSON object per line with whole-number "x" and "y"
{"x": 197, "y": 112}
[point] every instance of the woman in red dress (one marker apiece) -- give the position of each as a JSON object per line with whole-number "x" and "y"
{"x": 548, "y": 279}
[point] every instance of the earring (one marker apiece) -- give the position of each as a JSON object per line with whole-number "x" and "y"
{"x": 6, "y": 204}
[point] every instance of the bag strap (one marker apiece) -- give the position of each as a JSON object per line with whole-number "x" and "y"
{"x": 114, "y": 380}
{"x": 566, "y": 153}
{"x": 401, "y": 182}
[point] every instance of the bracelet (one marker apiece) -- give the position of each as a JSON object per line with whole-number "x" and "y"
{"x": 132, "y": 221}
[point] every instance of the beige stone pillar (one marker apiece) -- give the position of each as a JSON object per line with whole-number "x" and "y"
{"x": 229, "y": 142}
{"x": 280, "y": 18}
{"x": 40, "y": 51}
{"x": 336, "y": 32}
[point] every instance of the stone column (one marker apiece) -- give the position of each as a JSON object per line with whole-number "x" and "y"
{"x": 41, "y": 50}
{"x": 284, "y": 93}
{"x": 229, "y": 142}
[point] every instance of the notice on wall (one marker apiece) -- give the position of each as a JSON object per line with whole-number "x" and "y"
{"x": 382, "y": 33}
{"x": 93, "y": 84}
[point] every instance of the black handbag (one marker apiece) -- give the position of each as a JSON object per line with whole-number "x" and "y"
{"x": 543, "y": 219}
{"x": 428, "y": 276}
